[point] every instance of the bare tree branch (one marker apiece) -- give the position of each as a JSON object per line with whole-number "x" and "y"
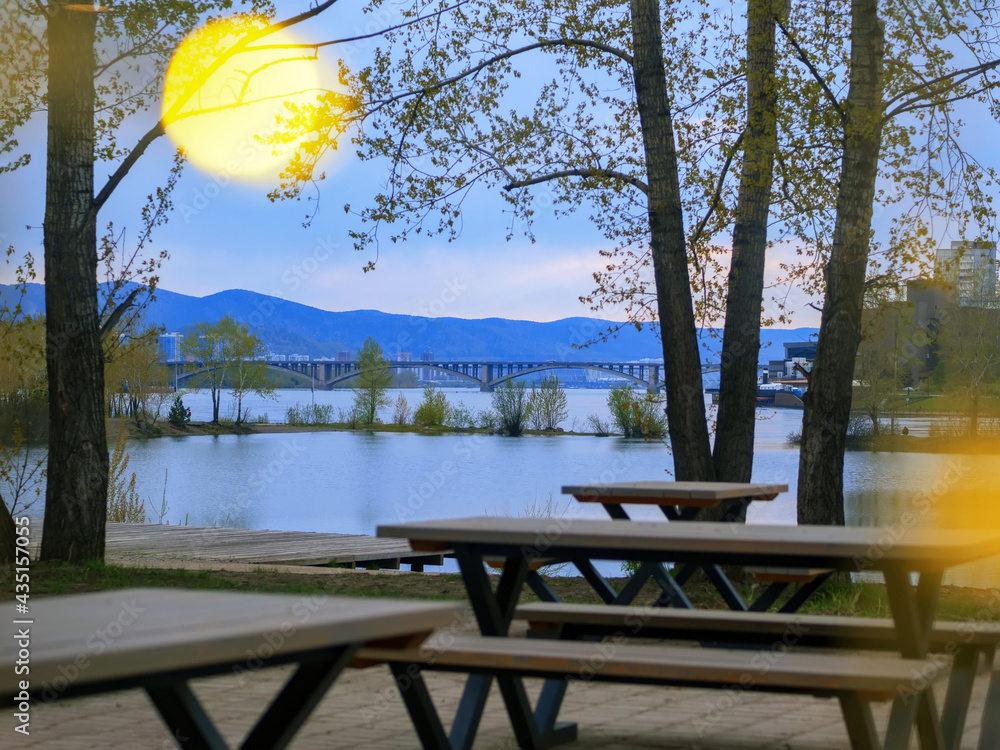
{"x": 541, "y": 44}
{"x": 718, "y": 190}
{"x": 804, "y": 58}
{"x": 592, "y": 173}
{"x": 115, "y": 316}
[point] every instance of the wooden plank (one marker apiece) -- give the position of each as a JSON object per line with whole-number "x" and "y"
{"x": 872, "y": 675}
{"x": 675, "y": 493}
{"x": 120, "y": 634}
{"x": 837, "y": 547}
{"x": 752, "y": 626}
{"x": 259, "y": 546}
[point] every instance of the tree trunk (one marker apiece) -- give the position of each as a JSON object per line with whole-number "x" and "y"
{"x": 8, "y": 536}
{"x": 76, "y": 495}
{"x": 686, "y": 420}
{"x": 733, "y": 455}
{"x": 828, "y": 398}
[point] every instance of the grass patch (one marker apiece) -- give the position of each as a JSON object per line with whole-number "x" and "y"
{"x": 836, "y": 598}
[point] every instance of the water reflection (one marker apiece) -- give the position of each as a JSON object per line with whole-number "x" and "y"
{"x": 351, "y": 482}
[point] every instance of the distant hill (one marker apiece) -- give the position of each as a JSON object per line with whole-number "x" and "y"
{"x": 292, "y": 328}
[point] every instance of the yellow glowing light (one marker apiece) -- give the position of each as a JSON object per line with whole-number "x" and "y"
{"x": 231, "y": 118}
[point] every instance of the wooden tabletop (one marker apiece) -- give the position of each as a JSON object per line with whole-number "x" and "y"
{"x": 134, "y": 632}
{"x": 702, "y": 494}
{"x": 850, "y": 548}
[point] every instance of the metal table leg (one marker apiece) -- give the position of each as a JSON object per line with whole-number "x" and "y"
{"x": 192, "y": 728}
{"x": 297, "y": 699}
{"x": 913, "y": 614}
{"x": 494, "y": 612}
{"x": 184, "y": 716}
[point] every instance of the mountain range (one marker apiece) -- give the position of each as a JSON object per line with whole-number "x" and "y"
{"x": 292, "y": 328}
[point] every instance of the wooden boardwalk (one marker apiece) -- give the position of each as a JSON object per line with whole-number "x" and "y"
{"x": 202, "y": 544}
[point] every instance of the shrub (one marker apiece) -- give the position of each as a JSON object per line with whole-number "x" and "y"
{"x": 433, "y": 410}
{"x": 487, "y": 419}
{"x": 600, "y": 426}
{"x": 401, "y": 412}
{"x": 461, "y": 416}
{"x": 548, "y": 404}
{"x": 636, "y": 416}
{"x": 178, "y": 415}
{"x": 124, "y": 503}
{"x": 513, "y": 407}
{"x": 310, "y": 414}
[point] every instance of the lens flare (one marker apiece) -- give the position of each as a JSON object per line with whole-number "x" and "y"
{"x": 239, "y": 112}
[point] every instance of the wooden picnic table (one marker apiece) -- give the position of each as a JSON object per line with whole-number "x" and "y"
{"x": 679, "y": 501}
{"x": 897, "y": 553}
{"x": 158, "y": 639}
{"x": 682, "y": 501}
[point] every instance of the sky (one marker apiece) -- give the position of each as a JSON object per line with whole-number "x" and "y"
{"x": 225, "y": 234}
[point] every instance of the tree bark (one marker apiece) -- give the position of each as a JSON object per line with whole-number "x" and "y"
{"x": 686, "y": 419}
{"x": 76, "y": 495}
{"x": 828, "y": 398}
{"x": 8, "y": 536}
{"x": 733, "y": 454}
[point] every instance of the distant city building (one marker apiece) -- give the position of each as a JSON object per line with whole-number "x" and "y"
{"x": 970, "y": 270}
{"x": 170, "y": 347}
{"x": 272, "y": 357}
{"x": 298, "y": 358}
{"x": 404, "y": 357}
{"x": 425, "y": 372}
{"x": 344, "y": 355}
{"x": 798, "y": 354}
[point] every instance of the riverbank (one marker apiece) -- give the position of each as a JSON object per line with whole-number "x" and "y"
{"x": 194, "y": 429}
{"x": 882, "y": 444}
{"x": 912, "y": 444}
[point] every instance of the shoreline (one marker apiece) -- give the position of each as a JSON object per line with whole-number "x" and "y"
{"x": 882, "y": 444}
{"x": 198, "y": 429}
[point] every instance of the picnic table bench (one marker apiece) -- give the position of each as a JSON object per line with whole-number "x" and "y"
{"x": 159, "y": 639}
{"x": 911, "y": 561}
{"x": 969, "y": 643}
{"x": 854, "y": 680}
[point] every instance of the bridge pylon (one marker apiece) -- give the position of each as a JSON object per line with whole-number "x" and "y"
{"x": 485, "y": 376}
{"x": 654, "y": 378}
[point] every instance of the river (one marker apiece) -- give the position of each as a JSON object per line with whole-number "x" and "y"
{"x": 350, "y": 482}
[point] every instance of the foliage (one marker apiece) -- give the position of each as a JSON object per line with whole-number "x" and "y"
{"x": 21, "y": 474}
{"x": 23, "y": 382}
{"x": 23, "y": 406}
{"x": 433, "y": 410}
{"x": 968, "y": 343}
{"x": 124, "y": 503}
{"x": 106, "y": 69}
{"x": 512, "y": 405}
{"x": 401, "y": 411}
{"x": 599, "y": 425}
{"x": 487, "y": 419}
{"x": 227, "y": 353}
{"x": 178, "y": 415}
{"x": 635, "y": 416}
{"x": 461, "y": 416}
{"x": 310, "y": 414}
{"x": 547, "y": 404}
{"x": 247, "y": 369}
{"x": 135, "y": 382}
{"x": 881, "y": 365}
{"x": 371, "y": 383}
{"x": 553, "y": 104}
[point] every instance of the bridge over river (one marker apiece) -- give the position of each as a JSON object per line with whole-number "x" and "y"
{"x": 325, "y": 374}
